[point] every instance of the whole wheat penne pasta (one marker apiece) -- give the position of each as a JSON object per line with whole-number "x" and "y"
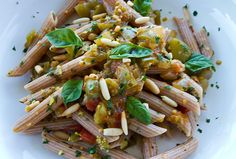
{"x": 158, "y": 105}
{"x": 192, "y": 120}
{"x": 62, "y": 148}
{"x": 130, "y": 12}
{"x": 156, "y": 117}
{"x": 49, "y": 24}
{"x": 179, "y": 152}
{"x": 186, "y": 33}
{"x": 39, "y": 112}
{"x": 145, "y": 130}
{"x": 187, "y": 16}
{"x": 118, "y": 154}
{"x": 197, "y": 88}
{"x": 182, "y": 98}
{"x": 51, "y": 125}
{"x": 67, "y": 10}
{"x": 31, "y": 58}
{"x": 40, "y": 95}
{"x": 149, "y": 147}
{"x": 88, "y": 123}
{"x": 203, "y": 43}
{"x": 35, "y": 54}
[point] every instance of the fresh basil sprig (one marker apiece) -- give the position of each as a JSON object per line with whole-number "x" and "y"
{"x": 64, "y": 38}
{"x": 138, "y": 110}
{"x": 129, "y": 51}
{"x": 198, "y": 62}
{"x": 143, "y": 6}
{"x": 71, "y": 91}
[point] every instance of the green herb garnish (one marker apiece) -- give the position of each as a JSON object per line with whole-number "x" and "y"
{"x": 78, "y": 153}
{"x": 208, "y": 120}
{"x": 129, "y": 51}
{"x": 167, "y": 87}
{"x": 92, "y": 150}
{"x": 143, "y": 6}
{"x": 109, "y": 104}
{"x": 14, "y": 48}
{"x": 63, "y": 38}
{"x": 138, "y": 110}
{"x": 198, "y": 62}
{"x": 71, "y": 91}
{"x": 199, "y": 130}
{"x": 45, "y": 141}
{"x": 195, "y": 13}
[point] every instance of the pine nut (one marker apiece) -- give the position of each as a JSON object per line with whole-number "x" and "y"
{"x": 60, "y": 57}
{"x": 124, "y": 124}
{"x": 38, "y": 69}
{"x": 62, "y": 135}
{"x": 81, "y": 20}
{"x": 96, "y": 17}
{"x": 109, "y": 42}
{"x": 169, "y": 101}
{"x": 104, "y": 89}
{"x": 130, "y": 3}
{"x": 71, "y": 110}
{"x": 112, "y": 132}
{"x": 126, "y": 60}
{"x": 57, "y": 50}
{"x": 92, "y": 36}
{"x": 117, "y": 28}
{"x": 150, "y": 85}
{"x": 142, "y": 20}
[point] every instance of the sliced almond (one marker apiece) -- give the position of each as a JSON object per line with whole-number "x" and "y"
{"x": 112, "y": 132}
{"x": 124, "y": 124}
{"x": 142, "y": 20}
{"x": 71, "y": 110}
{"x": 169, "y": 101}
{"x": 104, "y": 89}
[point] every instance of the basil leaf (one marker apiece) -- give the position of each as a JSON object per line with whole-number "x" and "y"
{"x": 65, "y": 37}
{"x": 71, "y": 91}
{"x": 143, "y": 6}
{"x": 138, "y": 110}
{"x": 129, "y": 50}
{"x": 198, "y": 62}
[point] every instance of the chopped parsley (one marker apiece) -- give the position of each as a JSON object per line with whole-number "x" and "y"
{"x": 157, "y": 39}
{"x": 167, "y": 87}
{"x": 17, "y": 3}
{"x": 33, "y": 16}
{"x": 92, "y": 150}
{"x": 109, "y": 104}
{"x": 45, "y": 141}
{"x": 195, "y": 13}
{"x": 212, "y": 85}
{"x": 21, "y": 63}
{"x": 186, "y": 6}
{"x": 122, "y": 89}
{"x": 218, "y": 28}
{"x": 14, "y": 48}
{"x": 78, "y": 153}
{"x": 199, "y": 130}
{"x": 144, "y": 78}
{"x": 217, "y": 86}
{"x": 25, "y": 50}
{"x": 208, "y": 120}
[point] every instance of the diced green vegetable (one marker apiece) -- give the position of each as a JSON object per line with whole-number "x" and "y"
{"x": 99, "y": 9}
{"x": 83, "y": 9}
{"x": 138, "y": 110}
{"x": 63, "y": 38}
{"x": 157, "y": 17}
{"x": 101, "y": 114}
{"x": 30, "y": 38}
{"x": 71, "y": 91}
{"x": 129, "y": 51}
{"x": 143, "y": 6}
{"x": 179, "y": 50}
{"x": 198, "y": 62}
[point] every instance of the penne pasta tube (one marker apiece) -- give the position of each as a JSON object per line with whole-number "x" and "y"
{"x": 193, "y": 121}
{"x": 39, "y": 96}
{"x": 58, "y": 124}
{"x": 67, "y": 10}
{"x": 149, "y": 147}
{"x": 130, "y": 12}
{"x": 158, "y": 105}
{"x": 197, "y": 88}
{"x": 39, "y": 112}
{"x": 186, "y": 33}
{"x": 35, "y": 54}
{"x": 118, "y": 154}
{"x": 203, "y": 43}
{"x": 181, "y": 151}
{"x": 145, "y": 130}
{"x": 182, "y": 98}
{"x": 88, "y": 123}
{"x": 49, "y": 24}
{"x": 31, "y": 58}
{"x": 156, "y": 117}
{"x": 61, "y": 148}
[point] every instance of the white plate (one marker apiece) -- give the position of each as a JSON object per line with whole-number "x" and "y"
{"x": 218, "y": 138}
